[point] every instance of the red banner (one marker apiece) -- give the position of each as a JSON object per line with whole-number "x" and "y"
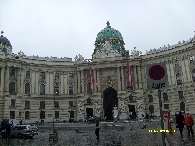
{"x": 128, "y": 73}
{"x": 91, "y": 76}
{"x": 167, "y": 121}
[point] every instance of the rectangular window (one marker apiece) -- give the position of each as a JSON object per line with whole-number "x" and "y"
{"x": 42, "y": 104}
{"x": 27, "y": 104}
{"x": 180, "y": 93}
{"x": 70, "y": 75}
{"x": 13, "y": 102}
{"x": 12, "y": 114}
{"x": 150, "y": 98}
{"x": 12, "y": 72}
{"x": 56, "y": 89}
{"x": 12, "y": 88}
{"x": 57, "y": 114}
{"x": 165, "y": 97}
{"x": 27, "y": 74}
{"x": 70, "y": 103}
{"x": 176, "y": 64}
{"x": 42, "y": 89}
{"x": 27, "y": 88}
{"x": 57, "y": 105}
{"x": 166, "y": 106}
{"x": 57, "y": 76}
{"x": 42, "y": 75}
{"x": 71, "y": 114}
{"x": 70, "y": 89}
{"x": 27, "y": 115}
{"x": 42, "y": 114}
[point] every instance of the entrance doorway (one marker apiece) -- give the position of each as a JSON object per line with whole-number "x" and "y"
{"x": 110, "y": 100}
{"x": 132, "y": 113}
{"x": 89, "y": 112}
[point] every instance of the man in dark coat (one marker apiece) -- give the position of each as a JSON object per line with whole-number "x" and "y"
{"x": 97, "y": 129}
{"x": 180, "y": 122}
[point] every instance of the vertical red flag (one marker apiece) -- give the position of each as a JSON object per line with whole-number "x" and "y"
{"x": 128, "y": 73}
{"x": 90, "y": 75}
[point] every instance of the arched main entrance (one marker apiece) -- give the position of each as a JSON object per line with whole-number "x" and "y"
{"x": 110, "y": 100}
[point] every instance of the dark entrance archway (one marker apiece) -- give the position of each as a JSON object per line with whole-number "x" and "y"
{"x": 110, "y": 100}
{"x": 89, "y": 112}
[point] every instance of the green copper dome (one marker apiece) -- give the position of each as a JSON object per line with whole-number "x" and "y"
{"x": 109, "y": 33}
{"x": 111, "y": 36}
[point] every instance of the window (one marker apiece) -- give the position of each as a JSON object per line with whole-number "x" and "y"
{"x": 27, "y": 104}
{"x": 27, "y": 115}
{"x": 57, "y": 76}
{"x": 176, "y": 64}
{"x": 70, "y": 75}
{"x": 57, "y": 105}
{"x": 180, "y": 93}
{"x": 56, "y": 89}
{"x": 165, "y": 97}
{"x": 193, "y": 75}
{"x": 42, "y": 104}
{"x": 42, "y": 75}
{"x": 57, "y": 114}
{"x": 27, "y": 88}
{"x": 13, "y": 102}
{"x": 71, "y": 114}
{"x": 12, "y": 87}
{"x": 166, "y": 106}
{"x": 42, "y": 89}
{"x": 151, "y": 109}
{"x": 70, "y": 89}
{"x": 150, "y": 98}
{"x": 182, "y": 106}
{"x": 28, "y": 74}
{"x": 42, "y": 114}
{"x": 12, "y": 114}
{"x": 70, "y": 103}
{"x": 179, "y": 79}
{"x": 12, "y": 72}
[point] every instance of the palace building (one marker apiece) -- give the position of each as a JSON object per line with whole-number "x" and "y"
{"x": 114, "y": 82}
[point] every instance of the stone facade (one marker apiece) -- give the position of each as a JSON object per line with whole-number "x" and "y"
{"x": 29, "y": 85}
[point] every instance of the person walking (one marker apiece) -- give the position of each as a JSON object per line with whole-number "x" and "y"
{"x": 180, "y": 122}
{"x": 7, "y": 132}
{"x": 97, "y": 129}
{"x": 189, "y": 122}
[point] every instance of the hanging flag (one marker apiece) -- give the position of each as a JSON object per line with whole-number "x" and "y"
{"x": 128, "y": 73}
{"x": 90, "y": 75}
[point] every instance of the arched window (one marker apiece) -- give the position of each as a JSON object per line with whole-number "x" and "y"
{"x": 12, "y": 87}
{"x": 27, "y": 88}
{"x": 193, "y": 75}
{"x": 179, "y": 79}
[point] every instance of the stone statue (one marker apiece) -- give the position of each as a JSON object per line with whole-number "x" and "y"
{"x": 97, "y": 108}
{"x": 135, "y": 53}
{"x": 140, "y": 109}
{"x": 122, "y": 106}
{"x": 79, "y": 58}
{"x": 21, "y": 54}
{"x": 80, "y": 108}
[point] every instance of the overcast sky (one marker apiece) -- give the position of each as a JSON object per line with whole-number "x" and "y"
{"x": 65, "y": 28}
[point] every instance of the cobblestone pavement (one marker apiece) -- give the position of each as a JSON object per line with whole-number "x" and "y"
{"x": 132, "y": 135}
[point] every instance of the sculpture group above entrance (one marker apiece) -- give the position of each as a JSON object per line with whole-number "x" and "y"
{"x": 106, "y": 51}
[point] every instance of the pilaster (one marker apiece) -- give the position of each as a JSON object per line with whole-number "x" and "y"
{"x": 83, "y": 81}
{"x": 2, "y": 78}
{"x": 139, "y": 77}
{"x": 98, "y": 79}
{"x": 123, "y": 79}
{"x": 18, "y": 80}
{"x": 7, "y": 79}
{"x": 94, "y": 75}
{"x": 118, "y": 79}
{"x": 79, "y": 81}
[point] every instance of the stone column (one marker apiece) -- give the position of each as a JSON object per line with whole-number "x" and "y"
{"x": 22, "y": 81}
{"x": 135, "y": 77}
{"x": 118, "y": 79}
{"x": 94, "y": 76}
{"x": 7, "y": 79}
{"x": 75, "y": 90}
{"x": 2, "y": 78}
{"x": 18, "y": 79}
{"x": 83, "y": 81}
{"x": 79, "y": 82}
{"x": 98, "y": 79}
{"x": 123, "y": 79}
{"x": 139, "y": 77}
